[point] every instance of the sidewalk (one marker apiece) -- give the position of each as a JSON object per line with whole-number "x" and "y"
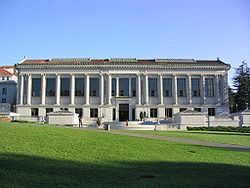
{"x": 182, "y": 140}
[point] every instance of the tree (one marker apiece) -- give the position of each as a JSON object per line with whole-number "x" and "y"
{"x": 241, "y": 82}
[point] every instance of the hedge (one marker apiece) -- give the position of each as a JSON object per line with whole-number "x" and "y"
{"x": 244, "y": 129}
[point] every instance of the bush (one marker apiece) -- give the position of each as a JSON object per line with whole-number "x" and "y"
{"x": 244, "y": 129}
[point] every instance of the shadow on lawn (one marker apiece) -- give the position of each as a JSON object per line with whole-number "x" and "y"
{"x": 30, "y": 171}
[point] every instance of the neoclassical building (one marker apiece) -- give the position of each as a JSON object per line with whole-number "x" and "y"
{"x": 119, "y": 89}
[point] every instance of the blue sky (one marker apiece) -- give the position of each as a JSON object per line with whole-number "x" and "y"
{"x": 195, "y": 29}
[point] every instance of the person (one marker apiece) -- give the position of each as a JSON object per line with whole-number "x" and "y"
{"x": 127, "y": 123}
{"x": 141, "y": 115}
{"x": 80, "y": 121}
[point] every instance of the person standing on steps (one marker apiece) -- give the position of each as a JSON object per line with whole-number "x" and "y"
{"x": 80, "y": 121}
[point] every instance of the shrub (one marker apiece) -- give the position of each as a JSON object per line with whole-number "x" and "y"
{"x": 244, "y": 129}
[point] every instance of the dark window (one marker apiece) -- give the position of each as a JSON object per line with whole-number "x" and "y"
{"x": 123, "y": 87}
{"x": 3, "y": 100}
{"x": 65, "y": 86}
{"x": 197, "y": 109}
{"x": 133, "y": 87}
{"x": 152, "y": 87}
{"x": 195, "y": 84}
{"x": 181, "y": 87}
{"x": 169, "y": 112}
{"x": 167, "y": 87}
{"x": 211, "y": 111}
{"x": 78, "y": 111}
{"x": 48, "y": 110}
{"x": 209, "y": 87}
{"x": 4, "y": 92}
{"x": 113, "y": 86}
{"x": 114, "y": 114}
{"x": 36, "y": 87}
{"x": 153, "y": 112}
{"x": 183, "y": 109}
{"x": 50, "y": 86}
{"x": 94, "y": 87}
{"x": 93, "y": 112}
{"x": 79, "y": 86}
{"x": 133, "y": 114}
{"x": 8, "y": 78}
{"x": 34, "y": 112}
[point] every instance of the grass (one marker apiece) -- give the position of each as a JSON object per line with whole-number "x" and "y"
{"x": 45, "y": 156}
{"x": 220, "y": 137}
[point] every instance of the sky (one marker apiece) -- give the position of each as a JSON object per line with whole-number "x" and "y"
{"x": 196, "y": 29}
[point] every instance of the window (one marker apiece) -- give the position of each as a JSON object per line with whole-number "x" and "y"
{"x": 133, "y": 114}
{"x": 4, "y": 91}
{"x": 78, "y": 111}
{"x": 50, "y": 87}
{"x": 195, "y": 84}
{"x": 123, "y": 87}
{"x": 183, "y": 109}
{"x": 8, "y": 78}
{"x": 79, "y": 86}
{"x": 94, "y": 87}
{"x": 169, "y": 112}
{"x": 36, "y": 87}
{"x": 3, "y": 100}
{"x": 209, "y": 87}
{"x": 48, "y": 110}
{"x": 93, "y": 112}
{"x": 114, "y": 114}
{"x": 65, "y": 84}
{"x": 167, "y": 87}
{"x": 113, "y": 86}
{"x": 153, "y": 112}
{"x": 34, "y": 112}
{"x": 197, "y": 109}
{"x": 133, "y": 87}
{"x": 152, "y": 87}
{"x": 181, "y": 87}
{"x": 211, "y": 111}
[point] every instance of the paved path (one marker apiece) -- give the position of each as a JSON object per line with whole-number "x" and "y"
{"x": 182, "y": 140}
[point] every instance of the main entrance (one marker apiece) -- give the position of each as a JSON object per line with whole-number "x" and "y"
{"x": 123, "y": 112}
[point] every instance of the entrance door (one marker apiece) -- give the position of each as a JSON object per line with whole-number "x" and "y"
{"x": 123, "y": 112}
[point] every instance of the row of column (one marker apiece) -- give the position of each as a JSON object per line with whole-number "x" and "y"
{"x": 109, "y": 89}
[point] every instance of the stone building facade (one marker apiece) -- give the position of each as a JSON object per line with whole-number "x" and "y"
{"x": 121, "y": 89}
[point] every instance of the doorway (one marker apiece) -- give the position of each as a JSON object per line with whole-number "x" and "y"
{"x": 123, "y": 112}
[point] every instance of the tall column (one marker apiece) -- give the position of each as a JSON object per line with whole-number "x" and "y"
{"x": 146, "y": 89}
{"x": 29, "y": 90}
{"x": 160, "y": 90}
{"x": 21, "y": 90}
{"x": 189, "y": 90}
{"x": 109, "y": 89}
{"x": 175, "y": 89}
{"x": 138, "y": 89}
{"x": 101, "y": 89}
{"x": 129, "y": 87}
{"x": 217, "y": 89}
{"x": 87, "y": 89}
{"x": 202, "y": 88}
{"x": 43, "y": 93}
{"x": 117, "y": 87}
{"x": 58, "y": 89}
{"x": 225, "y": 88}
{"x": 72, "y": 89}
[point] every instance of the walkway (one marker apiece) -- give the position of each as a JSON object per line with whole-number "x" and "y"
{"x": 182, "y": 140}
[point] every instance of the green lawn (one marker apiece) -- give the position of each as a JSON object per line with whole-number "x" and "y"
{"x": 221, "y": 137}
{"x": 46, "y": 156}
